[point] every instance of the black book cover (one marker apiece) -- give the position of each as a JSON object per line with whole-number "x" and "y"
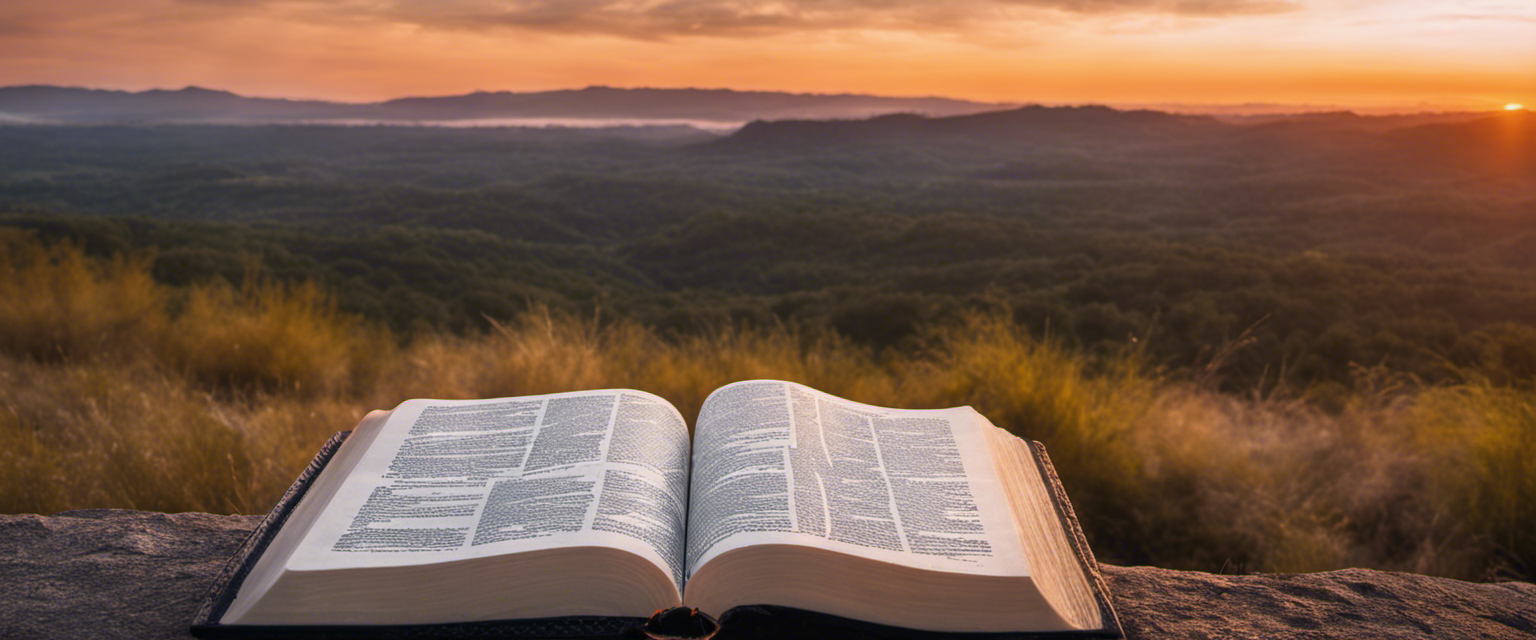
{"x": 740, "y": 623}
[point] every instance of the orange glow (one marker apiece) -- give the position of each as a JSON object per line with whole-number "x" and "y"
{"x": 1409, "y": 54}
{"x": 1513, "y": 107}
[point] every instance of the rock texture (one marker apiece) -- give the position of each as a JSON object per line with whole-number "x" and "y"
{"x": 133, "y": 574}
{"x": 1351, "y": 603}
{"x": 107, "y": 573}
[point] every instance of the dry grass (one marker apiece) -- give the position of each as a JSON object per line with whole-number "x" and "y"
{"x": 118, "y": 392}
{"x": 1479, "y": 441}
{"x": 96, "y": 433}
{"x": 272, "y": 337}
{"x": 56, "y": 303}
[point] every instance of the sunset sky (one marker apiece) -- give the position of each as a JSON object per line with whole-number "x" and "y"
{"x": 1364, "y": 53}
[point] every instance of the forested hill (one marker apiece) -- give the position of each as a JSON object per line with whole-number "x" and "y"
{"x": 1500, "y": 145}
{"x": 1089, "y": 125}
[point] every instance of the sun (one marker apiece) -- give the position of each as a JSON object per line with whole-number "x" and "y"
{"x": 1513, "y": 106}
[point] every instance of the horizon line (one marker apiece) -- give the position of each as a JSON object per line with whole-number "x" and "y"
{"x": 1233, "y": 108}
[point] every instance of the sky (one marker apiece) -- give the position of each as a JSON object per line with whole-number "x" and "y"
{"x": 1408, "y": 54}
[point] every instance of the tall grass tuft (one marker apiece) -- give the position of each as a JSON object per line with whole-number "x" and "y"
{"x": 57, "y": 303}
{"x": 268, "y": 335}
{"x": 1479, "y": 442}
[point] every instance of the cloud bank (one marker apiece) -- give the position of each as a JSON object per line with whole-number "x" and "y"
{"x": 638, "y": 19}
{"x": 658, "y": 19}
{"x": 652, "y": 19}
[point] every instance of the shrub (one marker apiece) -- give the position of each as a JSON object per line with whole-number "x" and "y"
{"x": 57, "y": 303}
{"x": 268, "y": 335}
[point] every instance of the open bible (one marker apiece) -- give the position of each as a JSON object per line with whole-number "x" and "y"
{"x": 581, "y": 514}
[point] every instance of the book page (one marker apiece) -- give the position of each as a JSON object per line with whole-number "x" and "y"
{"x": 451, "y": 480}
{"x": 778, "y": 462}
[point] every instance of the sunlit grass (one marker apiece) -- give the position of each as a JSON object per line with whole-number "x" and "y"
{"x": 56, "y": 303}
{"x": 270, "y": 336}
{"x": 95, "y": 433}
{"x": 119, "y": 392}
{"x": 1480, "y": 440}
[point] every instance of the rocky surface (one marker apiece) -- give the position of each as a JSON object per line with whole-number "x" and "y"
{"x": 133, "y": 574}
{"x": 1350, "y": 603}
{"x": 109, "y": 573}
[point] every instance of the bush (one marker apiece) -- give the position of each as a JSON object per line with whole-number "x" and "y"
{"x": 56, "y": 303}
{"x": 268, "y": 335}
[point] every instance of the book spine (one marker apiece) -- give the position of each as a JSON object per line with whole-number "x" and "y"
{"x": 222, "y": 592}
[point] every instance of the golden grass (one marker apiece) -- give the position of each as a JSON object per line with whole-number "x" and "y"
{"x": 95, "y": 434}
{"x": 271, "y": 336}
{"x": 118, "y": 392}
{"x": 1480, "y": 440}
{"x": 57, "y": 303}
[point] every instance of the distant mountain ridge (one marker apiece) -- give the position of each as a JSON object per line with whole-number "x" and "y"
{"x": 722, "y": 108}
{"x": 812, "y": 124}
{"x": 1093, "y": 142}
{"x": 72, "y": 105}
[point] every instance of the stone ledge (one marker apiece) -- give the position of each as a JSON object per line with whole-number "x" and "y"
{"x": 105, "y": 573}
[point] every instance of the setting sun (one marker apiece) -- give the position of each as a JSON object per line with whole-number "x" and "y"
{"x": 1513, "y": 107}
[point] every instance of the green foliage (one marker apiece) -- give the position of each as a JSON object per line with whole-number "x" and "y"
{"x": 1405, "y": 260}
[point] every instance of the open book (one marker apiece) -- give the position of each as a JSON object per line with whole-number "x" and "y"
{"x": 593, "y": 506}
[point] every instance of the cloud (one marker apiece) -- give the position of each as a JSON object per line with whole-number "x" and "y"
{"x": 1470, "y": 18}
{"x": 635, "y": 19}
{"x": 1174, "y": 7}
{"x": 192, "y": 23}
{"x": 663, "y": 19}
